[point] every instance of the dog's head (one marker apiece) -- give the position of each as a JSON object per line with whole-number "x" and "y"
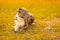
{"x": 21, "y": 10}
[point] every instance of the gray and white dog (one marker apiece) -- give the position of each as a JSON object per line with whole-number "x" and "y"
{"x": 22, "y": 19}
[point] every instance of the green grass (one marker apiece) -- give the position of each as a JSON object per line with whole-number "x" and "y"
{"x": 47, "y": 21}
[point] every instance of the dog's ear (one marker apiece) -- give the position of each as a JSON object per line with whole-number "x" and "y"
{"x": 19, "y": 10}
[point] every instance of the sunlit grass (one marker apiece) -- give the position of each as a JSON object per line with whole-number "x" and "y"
{"x": 47, "y": 20}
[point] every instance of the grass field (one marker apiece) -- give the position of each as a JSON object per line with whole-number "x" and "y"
{"x": 47, "y": 19}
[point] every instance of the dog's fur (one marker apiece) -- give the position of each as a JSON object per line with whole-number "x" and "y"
{"x": 22, "y": 19}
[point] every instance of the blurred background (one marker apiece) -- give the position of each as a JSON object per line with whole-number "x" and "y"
{"x": 47, "y": 19}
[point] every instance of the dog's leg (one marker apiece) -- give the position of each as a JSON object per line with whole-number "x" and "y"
{"x": 16, "y": 28}
{"x": 31, "y": 20}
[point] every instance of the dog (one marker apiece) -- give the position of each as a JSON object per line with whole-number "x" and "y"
{"x": 22, "y": 19}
